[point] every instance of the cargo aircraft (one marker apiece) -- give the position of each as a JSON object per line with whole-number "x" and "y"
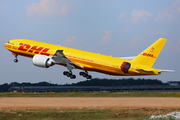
{"x": 45, "y": 55}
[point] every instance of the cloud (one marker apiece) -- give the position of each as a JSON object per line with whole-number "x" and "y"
{"x": 69, "y": 40}
{"x": 164, "y": 15}
{"x": 123, "y": 30}
{"x": 139, "y": 15}
{"x": 119, "y": 44}
{"x": 178, "y": 9}
{"x": 105, "y": 39}
{"x": 170, "y": 14}
{"x": 47, "y": 8}
{"x": 4, "y": 7}
{"x": 123, "y": 14}
{"x": 156, "y": 31}
{"x": 136, "y": 16}
{"x": 72, "y": 41}
{"x": 175, "y": 47}
{"x": 136, "y": 41}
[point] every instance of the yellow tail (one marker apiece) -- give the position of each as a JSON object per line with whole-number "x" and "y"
{"x": 148, "y": 56}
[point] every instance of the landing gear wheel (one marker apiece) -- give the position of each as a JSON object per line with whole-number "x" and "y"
{"x": 73, "y": 76}
{"x": 81, "y": 73}
{"x": 88, "y": 76}
{"x": 84, "y": 75}
{"x": 65, "y": 73}
{"x": 69, "y": 74}
{"x": 15, "y": 60}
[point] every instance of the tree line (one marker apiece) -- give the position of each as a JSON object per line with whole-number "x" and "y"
{"x": 93, "y": 82}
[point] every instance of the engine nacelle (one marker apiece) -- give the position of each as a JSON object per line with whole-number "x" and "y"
{"x": 42, "y": 61}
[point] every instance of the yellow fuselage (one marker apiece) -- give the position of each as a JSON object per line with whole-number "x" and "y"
{"x": 90, "y": 61}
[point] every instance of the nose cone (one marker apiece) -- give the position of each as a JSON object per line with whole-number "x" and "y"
{"x": 7, "y": 45}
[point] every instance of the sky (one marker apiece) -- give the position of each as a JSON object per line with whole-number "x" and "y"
{"x": 118, "y": 28}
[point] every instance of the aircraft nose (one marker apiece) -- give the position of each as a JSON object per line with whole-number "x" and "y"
{"x": 7, "y": 45}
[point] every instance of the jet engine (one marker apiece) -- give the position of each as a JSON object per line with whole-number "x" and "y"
{"x": 42, "y": 61}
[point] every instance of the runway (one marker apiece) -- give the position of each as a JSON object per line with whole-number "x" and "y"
{"x": 89, "y": 102}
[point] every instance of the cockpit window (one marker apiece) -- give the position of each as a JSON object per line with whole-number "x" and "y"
{"x": 8, "y": 42}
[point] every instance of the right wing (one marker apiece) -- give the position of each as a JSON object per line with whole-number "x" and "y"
{"x": 128, "y": 58}
{"x": 59, "y": 57}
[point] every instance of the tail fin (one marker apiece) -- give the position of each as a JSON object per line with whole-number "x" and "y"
{"x": 148, "y": 56}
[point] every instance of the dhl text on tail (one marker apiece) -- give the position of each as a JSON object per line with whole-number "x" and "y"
{"x": 46, "y": 55}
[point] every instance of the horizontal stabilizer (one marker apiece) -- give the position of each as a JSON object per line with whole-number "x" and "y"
{"x": 139, "y": 69}
{"x": 166, "y": 70}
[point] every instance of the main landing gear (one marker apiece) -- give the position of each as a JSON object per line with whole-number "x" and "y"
{"x": 72, "y": 76}
{"x": 85, "y": 74}
{"x": 69, "y": 74}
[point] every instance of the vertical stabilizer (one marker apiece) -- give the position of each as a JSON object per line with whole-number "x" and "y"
{"x": 149, "y": 56}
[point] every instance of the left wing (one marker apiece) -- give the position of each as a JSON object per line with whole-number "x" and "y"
{"x": 59, "y": 57}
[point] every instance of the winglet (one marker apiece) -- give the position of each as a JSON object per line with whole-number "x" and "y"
{"x": 149, "y": 56}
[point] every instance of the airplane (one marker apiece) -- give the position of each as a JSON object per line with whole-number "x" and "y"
{"x": 46, "y": 55}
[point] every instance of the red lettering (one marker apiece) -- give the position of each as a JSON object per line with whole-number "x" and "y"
{"x": 44, "y": 52}
{"x": 144, "y": 54}
{"x": 36, "y": 49}
{"x": 24, "y": 47}
{"x": 30, "y": 51}
{"x": 148, "y": 55}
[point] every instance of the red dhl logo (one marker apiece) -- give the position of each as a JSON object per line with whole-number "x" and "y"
{"x": 35, "y": 49}
{"x": 148, "y": 55}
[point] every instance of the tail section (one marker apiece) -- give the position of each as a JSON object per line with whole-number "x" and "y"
{"x": 148, "y": 56}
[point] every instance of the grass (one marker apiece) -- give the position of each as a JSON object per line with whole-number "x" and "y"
{"x": 86, "y": 113}
{"x": 79, "y": 114}
{"x": 93, "y": 94}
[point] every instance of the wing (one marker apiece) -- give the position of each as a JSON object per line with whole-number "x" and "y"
{"x": 59, "y": 57}
{"x": 128, "y": 58}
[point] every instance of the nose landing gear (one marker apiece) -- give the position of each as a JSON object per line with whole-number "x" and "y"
{"x": 16, "y": 55}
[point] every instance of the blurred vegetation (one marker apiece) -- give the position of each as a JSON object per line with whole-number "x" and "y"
{"x": 93, "y": 82}
{"x": 81, "y": 114}
{"x": 94, "y": 94}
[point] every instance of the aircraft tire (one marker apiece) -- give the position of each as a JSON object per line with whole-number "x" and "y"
{"x": 65, "y": 73}
{"x": 73, "y": 76}
{"x": 15, "y": 60}
{"x": 85, "y": 75}
{"x": 69, "y": 74}
{"x": 88, "y": 76}
{"x": 81, "y": 73}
